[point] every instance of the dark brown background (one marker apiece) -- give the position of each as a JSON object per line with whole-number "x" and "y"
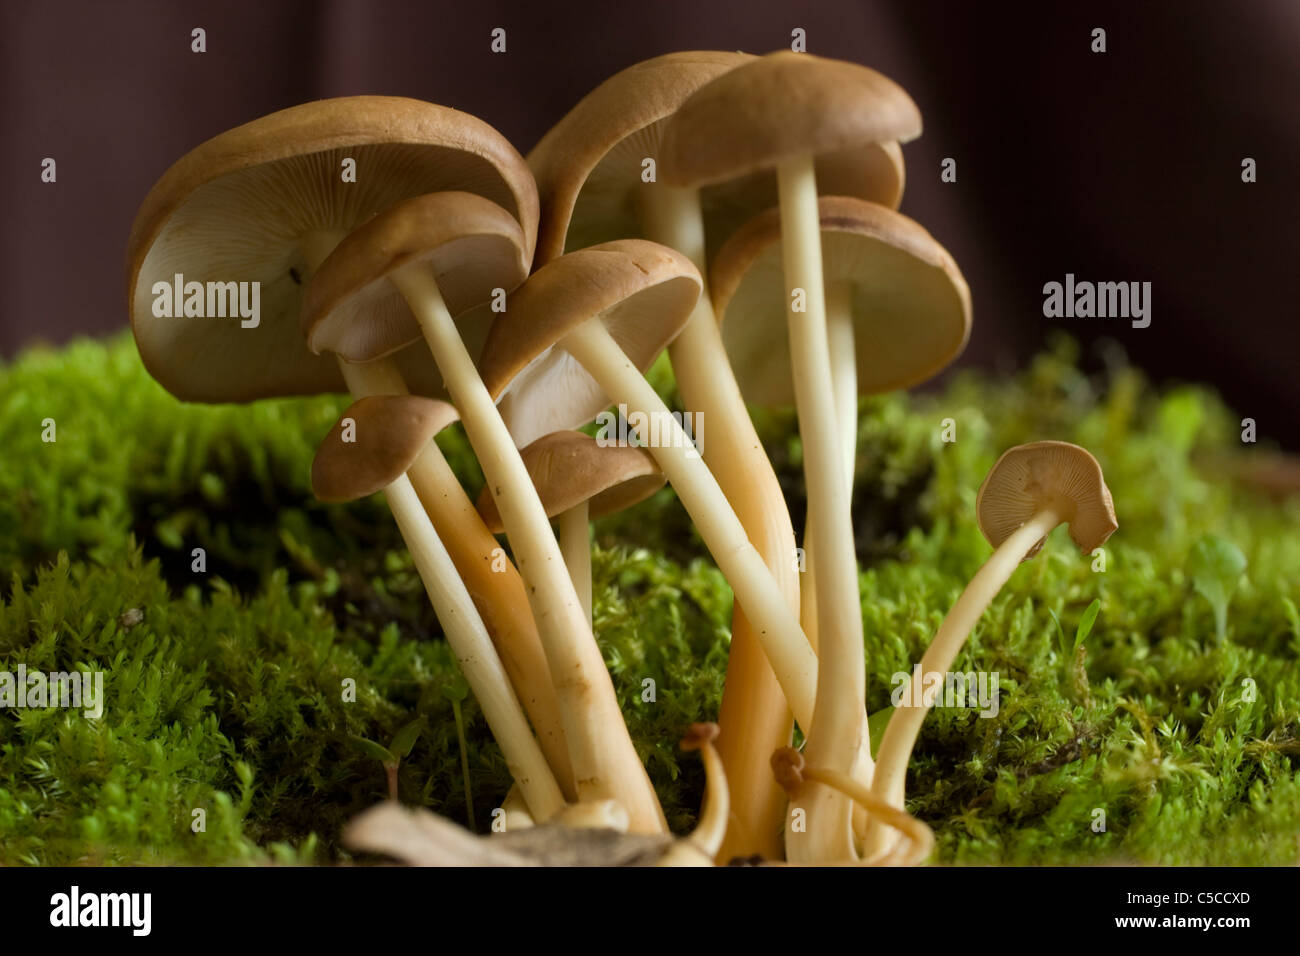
{"x": 1122, "y": 166}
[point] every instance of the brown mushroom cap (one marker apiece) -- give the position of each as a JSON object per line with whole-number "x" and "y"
{"x": 470, "y": 244}
{"x": 390, "y": 430}
{"x": 589, "y": 165}
{"x": 644, "y": 293}
{"x": 569, "y": 468}
{"x": 911, "y": 306}
{"x": 236, "y": 208}
{"x": 1030, "y": 477}
{"x": 777, "y": 107}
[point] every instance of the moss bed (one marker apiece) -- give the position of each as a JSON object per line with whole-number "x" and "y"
{"x": 223, "y": 688}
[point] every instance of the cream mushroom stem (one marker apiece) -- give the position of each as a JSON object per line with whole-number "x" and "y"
{"x": 496, "y": 586}
{"x": 596, "y": 351}
{"x": 471, "y": 544}
{"x": 474, "y": 651}
{"x": 836, "y": 740}
{"x": 605, "y": 763}
{"x": 754, "y": 716}
{"x": 575, "y": 545}
{"x": 844, "y": 372}
{"x": 905, "y": 723}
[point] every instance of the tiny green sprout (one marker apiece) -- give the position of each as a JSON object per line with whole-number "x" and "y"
{"x": 1215, "y": 567}
{"x": 456, "y": 690}
{"x": 391, "y": 757}
{"x": 1072, "y": 654}
{"x": 1070, "y": 648}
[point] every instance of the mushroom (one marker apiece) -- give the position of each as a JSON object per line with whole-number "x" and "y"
{"x": 573, "y": 338}
{"x": 580, "y": 480}
{"x": 264, "y": 203}
{"x": 387, "y": 434}
{"x": 901, "y": 311}
{"x": 1029, "y": 491}
{"x": 591, "y": 183}
{"x": 781, "y": 111}
{"x": 400, "y": 275}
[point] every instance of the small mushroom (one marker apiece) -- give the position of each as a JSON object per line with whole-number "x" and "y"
{"x": 1029, "y": 491}
{"x": 575, "y": 337}
{"x": 898, "y": 311}
{"x": 781, "y": 111}
{"x": 580, "y": 480}
{"x": 400, "y": 275}
{"x": 388, "y": 434}
{"x": 704, "y": 844}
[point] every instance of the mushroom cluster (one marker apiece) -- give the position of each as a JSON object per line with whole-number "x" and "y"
{"x": 739, "y": 212}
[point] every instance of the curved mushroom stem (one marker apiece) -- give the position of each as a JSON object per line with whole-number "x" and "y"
{"x": 575, "y": 545}
{"x": 498, "y": 595}
{"x": 605, "y": 763}
{"x": 754, "y": 717}
{"x": 905, "y": 723}
{"x": 474, "y": 651}
{"x": 837, "y": 739}
{"x": 705, "y": 842}
{"x": 492, "y": 580}
{"x": 792, "y": 659}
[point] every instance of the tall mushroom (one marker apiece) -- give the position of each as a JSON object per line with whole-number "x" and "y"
{"x": 903, "y": 311}
{"x": 263, "y": 204}
{"x": 781, "y": 111}
{"x": 575, "y": 337}
{"x": 382, "y": 437}
{"x": 595, "y": 185}
{"x": 400, "y": 275}
{"x": 1029, "y": 491}
{"x": 580, "y": 480}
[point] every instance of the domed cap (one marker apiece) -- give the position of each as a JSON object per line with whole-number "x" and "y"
{"x": 470, "y": 244}
{"x": 1043, "y": 474}
{"x": 569, "y": 468}
{"x": 389, "y": 432}
{"x": 238, "y": 207}
{"x": 642, "y": 291}
{"x": 780, "y": 106}
{"x": 910, "y": 305}
{"x": 589, "y": 165}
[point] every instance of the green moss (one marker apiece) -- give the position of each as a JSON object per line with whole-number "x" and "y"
{"x": 227, "y": 695}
